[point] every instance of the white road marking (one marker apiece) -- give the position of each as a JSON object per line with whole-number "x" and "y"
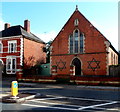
{"x": 114, "y": 109}
{"x": 88, "y": 99}
{"x": 46, "y": 99}
{"x": 93, "y": 106}
{"x": 83, "y": 98}
{"x": 34, "y": 105}
{"x": 57, "y": 104}
{"x": 42, "y": 101}
{"x": 54, "y": 86}
{"x": 49, "y": 107}
{"x": 46, "y": 103}
{"x": 100, "y": 108}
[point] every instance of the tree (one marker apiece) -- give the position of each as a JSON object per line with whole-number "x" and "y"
{"x": 48, "y": 50}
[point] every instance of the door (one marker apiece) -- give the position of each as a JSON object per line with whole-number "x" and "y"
{"x": 76, "y": 62}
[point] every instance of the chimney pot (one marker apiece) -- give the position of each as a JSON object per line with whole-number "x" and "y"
{"x": 7, "y": 25}
{"x": 27, "y": 25}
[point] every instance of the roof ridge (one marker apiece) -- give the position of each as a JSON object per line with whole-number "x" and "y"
{"x": 31, "y": 36}
{"x": 19, "y": 30}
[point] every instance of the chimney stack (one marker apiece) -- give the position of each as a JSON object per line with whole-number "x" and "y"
{"x": 27, "y": 25}
{"x": 7, "y": 25}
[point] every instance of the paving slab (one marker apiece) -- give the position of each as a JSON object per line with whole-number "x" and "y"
{"x": 21, "y": 97}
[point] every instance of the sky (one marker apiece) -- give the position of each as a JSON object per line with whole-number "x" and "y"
{"x": 48, "y": 18}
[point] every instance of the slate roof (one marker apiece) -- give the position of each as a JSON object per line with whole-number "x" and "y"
{"x": 19, "y": 30}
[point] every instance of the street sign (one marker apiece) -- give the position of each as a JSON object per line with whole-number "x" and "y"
{"x": 14, "y": 88}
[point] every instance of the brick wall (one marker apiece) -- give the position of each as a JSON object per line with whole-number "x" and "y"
{"x": 5, "y": 52}
{"x": 94, "y": 48}
{"x": 33, "y": 53}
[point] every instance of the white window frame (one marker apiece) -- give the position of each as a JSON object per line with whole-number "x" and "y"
{"x": 10, "y": 70}
{"x": 82, "y": 43}
{"x": 76, "y": 22}
{"x": 79, "y": 47}
{"x": 14, "y": 42}
{"x": 1, "y": 49}
{"x": 74, "y": 41}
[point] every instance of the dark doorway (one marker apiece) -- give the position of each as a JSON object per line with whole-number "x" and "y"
{"x": 76, "y": 62}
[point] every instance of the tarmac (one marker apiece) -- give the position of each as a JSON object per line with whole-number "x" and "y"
{"x": 6, "y": 97}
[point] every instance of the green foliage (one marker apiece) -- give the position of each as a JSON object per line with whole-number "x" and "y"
{"x": 48, "y": 50}
{"x": 54, "y": 66}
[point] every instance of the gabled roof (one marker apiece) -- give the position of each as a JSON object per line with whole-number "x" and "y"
{"x": 19, "y": 30}
{"x": 78, "y": 12}
{"x": 75, "y": 13}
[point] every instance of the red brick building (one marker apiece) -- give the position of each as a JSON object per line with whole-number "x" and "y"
{"x": 81, "y": 50}
{"x": 20, "y": 49}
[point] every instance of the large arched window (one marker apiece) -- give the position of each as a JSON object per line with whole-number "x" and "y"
{"x": 76, "y": 42}
{"x": 76, "y": 37}
{"x": 71, "y": 43}
{"x": 81, "y": 42}
{"x": 1, "y": 47}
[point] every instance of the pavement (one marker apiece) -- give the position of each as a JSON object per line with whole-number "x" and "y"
{"x": 68, "y": 86}
{"x": 20, "y": 98}
{"x": 101, "y": 88}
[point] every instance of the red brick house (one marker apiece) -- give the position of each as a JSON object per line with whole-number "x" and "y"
{"x": 20, "y": 49}
{"x": 81, "y": 50}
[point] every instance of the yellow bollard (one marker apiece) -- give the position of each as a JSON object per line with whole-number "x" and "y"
{"x": 14, "y": 89}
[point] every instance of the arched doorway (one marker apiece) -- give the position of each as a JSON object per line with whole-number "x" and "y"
{"x": 76, "y": 62}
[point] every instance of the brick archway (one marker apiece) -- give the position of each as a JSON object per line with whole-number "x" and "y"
{"x": 77, "y": 63}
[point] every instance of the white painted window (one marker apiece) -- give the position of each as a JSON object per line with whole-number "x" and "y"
{"x": 11, "y": 65}
{"x": 76, "y": 42}
{"x": 76, "y": 22}
{"x": 81, "y": 42}
{"x": 12, "y": 46}
{"x": 1, "y": 47}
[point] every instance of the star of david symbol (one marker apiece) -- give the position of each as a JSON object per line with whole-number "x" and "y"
{"x": 93, "y": 64}
{"x": 61, "y": 65}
